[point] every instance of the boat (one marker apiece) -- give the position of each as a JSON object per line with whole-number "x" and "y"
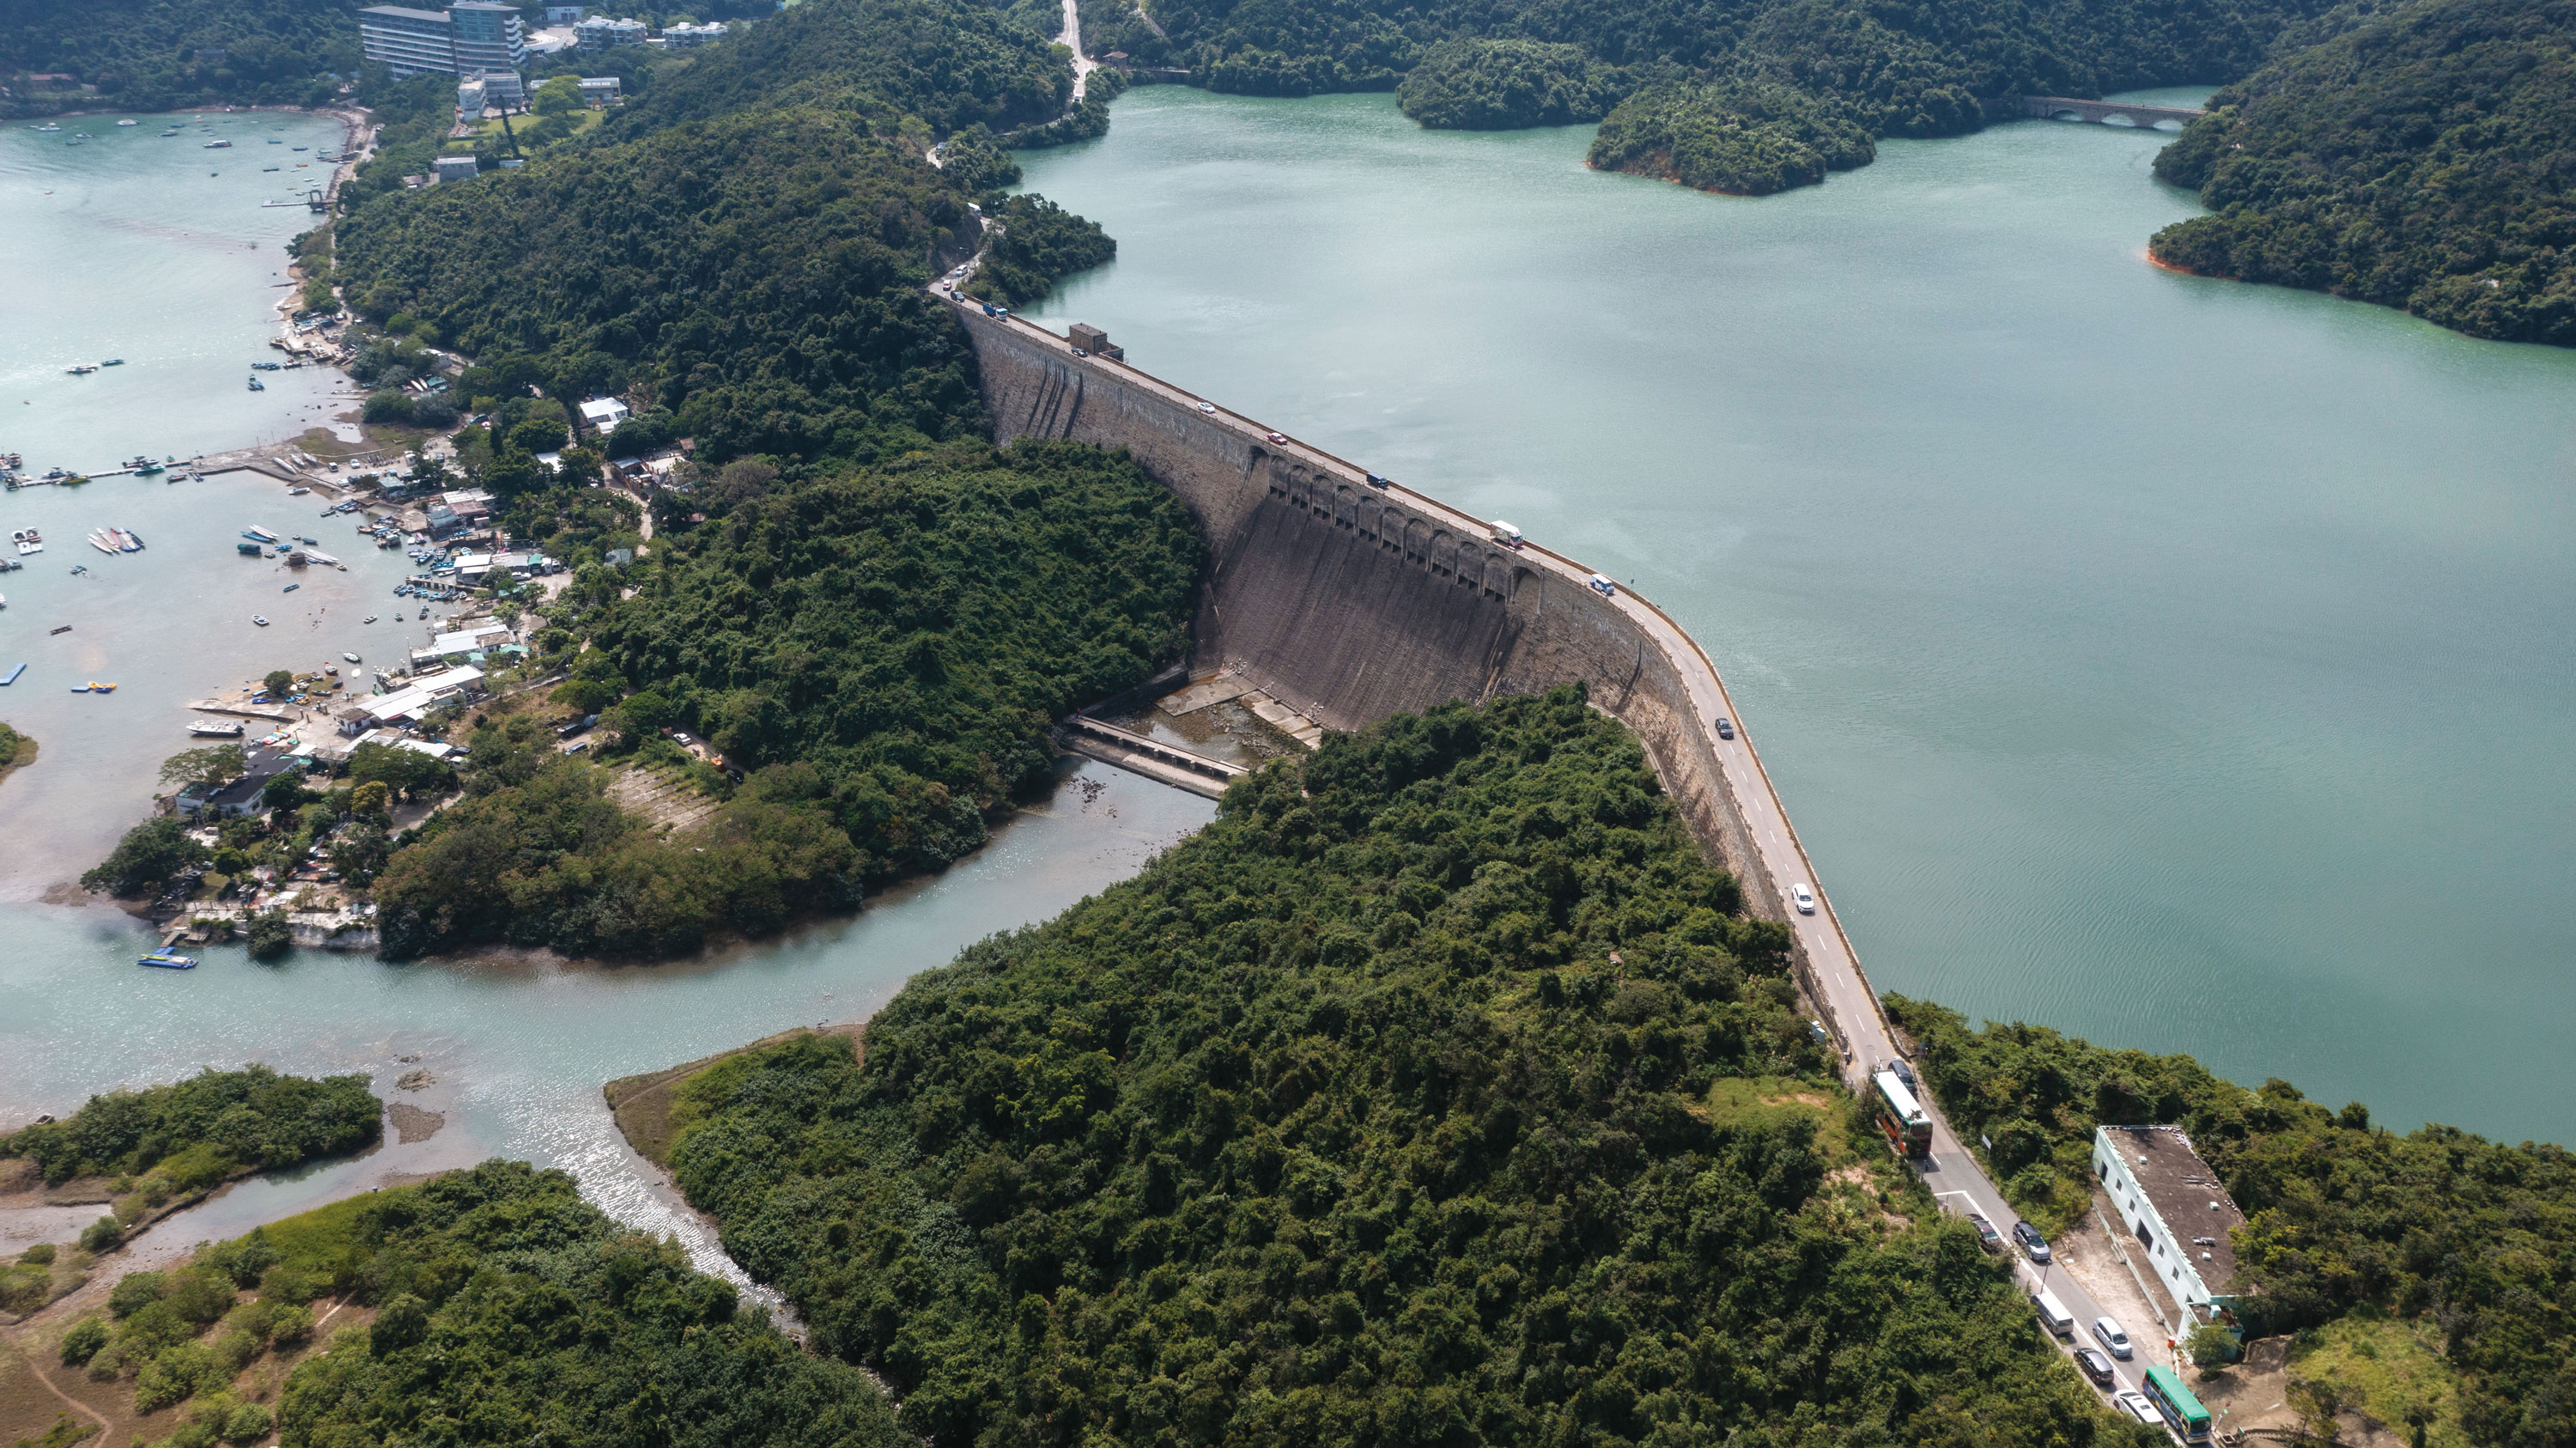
{"x": 96, "y": 687}
{"x": 125, "y": 123}
{"x": 268, "y": 168}
{"x": 255, "y": 387}
{"x": 63, "y": 629}
{"x": 113, "y": 362}
{"x": 80, "y": 369}
{"x": 219, "y": 145}
{"x": 300, "y": 538}
{"x": 332, "y": 669}
{"x": 370, "y": 618}
{"x": 127, "y": 541}
{"x": 48, "y": 126}
{"x": 149, "y": 468}
{"x": 214, "y": 729}
{"x": 166, "y": 960}
{"x": 262, "y": 534}
{"x": 353, "y": 658}
{"x": 290, "y": 588}
{"x": 80, "y": 688}
{"x": 260, "y": 619}
{"x": 295, "y": 492}
{"x": 263, "y": 366}
{"x": 99, "y": 540}
{"x": 12, "y": 676}
{"x": 247, "y": 550}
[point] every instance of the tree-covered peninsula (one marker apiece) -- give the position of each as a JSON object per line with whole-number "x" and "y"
{"x": 877, "y": 652}
{"x": 1438, "y": 1092}
{"x": 2425, "y": 160}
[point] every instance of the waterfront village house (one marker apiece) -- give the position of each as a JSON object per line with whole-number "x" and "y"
{"x": 2170, "y": 1200}
{"x": 469, "y": 36}
{"x": 471, "y": 505}
{"x": 242, "y": 796}
{"x": 603, "y": 413}
{"x": 407, "y": 705}
{"x": 601, "y": 33}
{"x": 441, "y": 523}
{"x": 456, "y": 168}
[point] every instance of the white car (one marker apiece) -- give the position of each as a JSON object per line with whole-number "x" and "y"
{"x": 1803, "y": 898}
{"x": 2107, "y": 1332}
{"x": 1207, "y": 407}
{"x": 2135, "y": 1404}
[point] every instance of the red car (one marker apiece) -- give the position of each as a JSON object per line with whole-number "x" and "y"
{"x": 1278, "y": 437}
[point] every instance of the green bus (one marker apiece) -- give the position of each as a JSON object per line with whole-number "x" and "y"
{"x": 2183, "y": 1412}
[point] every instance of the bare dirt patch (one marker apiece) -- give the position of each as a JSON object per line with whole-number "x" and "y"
{"x": 665, "y": 800}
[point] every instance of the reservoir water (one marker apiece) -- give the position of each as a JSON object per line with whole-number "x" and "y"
{"x": 2174, "y": 662}
{"x": 143, "y": 257}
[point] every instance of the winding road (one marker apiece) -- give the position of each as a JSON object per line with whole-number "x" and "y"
{"x": 1953, "y": 1174}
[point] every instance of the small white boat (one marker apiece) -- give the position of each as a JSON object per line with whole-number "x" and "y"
{"x": 260, "y": 619}
{"x": 353, "y": 658}
{"x": 210, "y": 729}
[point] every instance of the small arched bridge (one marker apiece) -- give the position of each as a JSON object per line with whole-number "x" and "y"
{"x": 2108, "y": 113}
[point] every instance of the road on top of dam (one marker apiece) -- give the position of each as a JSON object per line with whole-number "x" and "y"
{"x": 1956, "y": 1178}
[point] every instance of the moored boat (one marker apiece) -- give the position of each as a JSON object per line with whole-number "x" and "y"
{"x": 262, "y": 534}
{"x": 13, "y": 676}
{"x": 215, "y": 729}
{"x": 260, "y": 619}
{"x": 169, "y": 960}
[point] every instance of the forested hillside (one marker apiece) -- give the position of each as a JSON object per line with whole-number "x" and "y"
{"x": 2468, "y": 1236}
{"x": 1439, "y": 1092}
{"x": 161, "y": 54}
{"x": 757, "y": 277}
{"x": 949, "y": 63}
{"x": 2426, "y": 161}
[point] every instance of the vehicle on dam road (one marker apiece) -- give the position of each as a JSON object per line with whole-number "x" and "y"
{"x": 1725, "y": 728}
{"x": 1803, "y": 898}
{"x": 1277, "y": 437}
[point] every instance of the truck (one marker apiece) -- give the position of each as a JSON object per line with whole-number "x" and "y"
{"x": 1603, "y": 586}
{"x": 1506, "y": 534}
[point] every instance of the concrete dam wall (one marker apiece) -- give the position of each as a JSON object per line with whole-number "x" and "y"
{"x": 1351, "y": 602}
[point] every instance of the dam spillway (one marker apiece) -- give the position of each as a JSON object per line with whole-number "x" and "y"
{"x": 1351, "y": 602}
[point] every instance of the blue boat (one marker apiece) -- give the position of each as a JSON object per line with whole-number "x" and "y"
{"x": 290, "y": 588}
{"x": 13, "y": 676}
{"x": 168, "y": 960}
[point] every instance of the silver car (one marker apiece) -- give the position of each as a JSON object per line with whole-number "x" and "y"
{"x": 1803, "y": 898}
{"x": 2107, "y": 1332}
{"x": 2135, "y": 1404}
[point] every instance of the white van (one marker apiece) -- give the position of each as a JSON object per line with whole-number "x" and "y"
{"x": 2052, "y": 1313}
{"x": 2107, "y": 1330}
{"x": 1505, "y": 534}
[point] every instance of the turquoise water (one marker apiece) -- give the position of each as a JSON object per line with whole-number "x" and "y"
{"x": 146, "y": 263}
{"x": 2176, "y": 662}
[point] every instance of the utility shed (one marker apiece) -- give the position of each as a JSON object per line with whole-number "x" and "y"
{"x": 2171, "y": 1201}
{"x": 1093, "y": 340}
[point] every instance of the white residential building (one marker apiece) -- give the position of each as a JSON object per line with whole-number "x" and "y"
{"x": 2171, "y": 1202}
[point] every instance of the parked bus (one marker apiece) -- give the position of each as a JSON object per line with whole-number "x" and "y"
{"x": 2183, "y": 1412}
{"x": 1907, "y": 1124}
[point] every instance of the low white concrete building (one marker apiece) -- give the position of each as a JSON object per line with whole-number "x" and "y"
{"x": 604, "y": 413}
{"x": 2171, "y": 1202}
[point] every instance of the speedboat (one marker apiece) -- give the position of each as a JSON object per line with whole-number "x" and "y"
{"x": 370, "y": 618}
{"x": 167, "y": 960}
{"x": 80, "y": 369}
{"x": 113, "y": 361}
{"x": 353, "y": 658}
{"x": 260, "y": 619}
{"x": 125, "y": 123}
{"x": 255, "y": 387}
{"x": 290, "y": 588}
